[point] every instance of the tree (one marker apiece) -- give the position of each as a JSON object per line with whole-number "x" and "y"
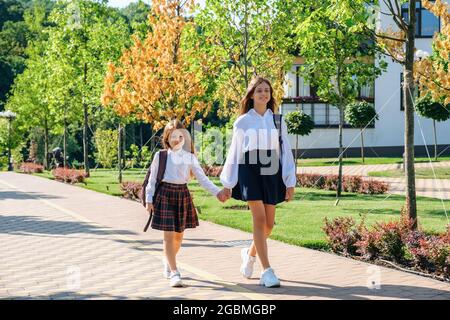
{"x": 360, "y": 115}
{"x": 339, "y": 56}
{"x": 399, "y": 45}
{"x": 299, "y": 123}
{"x": 18, "y": 22}
{"x": 106, "y": 143}
{"x": 432, "y": 72}
{"x": 426, "y": 107}
{"x": 242, "y": 39}
{"x": 136, "y": 14}
{"x": 154, "y": 80}
{"x": 87, "y": 34}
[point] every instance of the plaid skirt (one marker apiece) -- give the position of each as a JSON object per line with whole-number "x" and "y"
{"x": 174, "y": 209}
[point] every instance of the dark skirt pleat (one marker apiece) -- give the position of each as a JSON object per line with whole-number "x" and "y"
{"x": 253, "y": 181}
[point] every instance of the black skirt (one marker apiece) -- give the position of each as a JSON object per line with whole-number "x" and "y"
{"x": 260, "y": 178}
{"x": 174, "y": 209}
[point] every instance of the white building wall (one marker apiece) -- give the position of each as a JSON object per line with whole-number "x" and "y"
{"x": 389, "y": 129}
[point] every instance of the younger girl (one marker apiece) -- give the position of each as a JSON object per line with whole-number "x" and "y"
{"x": 173, "y": 209}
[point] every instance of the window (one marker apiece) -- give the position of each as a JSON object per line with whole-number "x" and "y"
{"x": 415, "y": 93}
{"x": 426, "y": 22}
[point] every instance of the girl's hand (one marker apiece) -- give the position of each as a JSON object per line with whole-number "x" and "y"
{"x": 149, "y": 207}
{"x": 289, "y": 194}
{"x": 224, "y": 195}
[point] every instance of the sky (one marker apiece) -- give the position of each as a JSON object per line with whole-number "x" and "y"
{"x": 124, "y": 3}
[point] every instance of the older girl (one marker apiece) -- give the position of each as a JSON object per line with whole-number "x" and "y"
{"x": 260, "y": 171}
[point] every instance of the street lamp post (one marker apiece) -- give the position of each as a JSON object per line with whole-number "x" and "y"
{"x": 10, "y": 116}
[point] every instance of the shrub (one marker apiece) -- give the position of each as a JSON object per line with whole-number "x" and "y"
{"x": 349, "y": 183}
{"x": 385, "y": 240}
{"x": 106, "y": 143}
{"x": 29, "y": 167}
{"x": 68, "y": 175}
{"x": 342, "y": 234}
{"x": 352, "y": 183}
{"x": 131, "y": 190}
{"x": 373, "y": 187}
{"x": 430, "y": 252}
{"x": 393, "y": 240}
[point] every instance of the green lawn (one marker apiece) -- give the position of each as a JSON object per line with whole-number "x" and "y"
{"x": 357, "y": 161}
{"x": 298, "y": 222}
{"x": 441, "y": 173}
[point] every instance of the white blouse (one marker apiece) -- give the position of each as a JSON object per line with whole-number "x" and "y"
{"x": 252, "y": 131}
{"x": 179, "y": 164}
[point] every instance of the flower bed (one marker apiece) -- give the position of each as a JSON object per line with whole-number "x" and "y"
{"x": 29, "y": 167}
{"x": 392, "y": 241}
{"x": 131, "y": 190}
{"x": 68, "y": 175}
{"x": 349, "y": 183}
{"x": 328, "y": 182}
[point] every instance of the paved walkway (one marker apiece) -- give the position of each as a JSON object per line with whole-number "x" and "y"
{"x": 65, "y": 242}
{"x": 435, "y": 188}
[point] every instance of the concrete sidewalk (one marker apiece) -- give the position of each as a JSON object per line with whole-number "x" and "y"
{"x": 435, "y": 188}
{"x": 65, "y": 242}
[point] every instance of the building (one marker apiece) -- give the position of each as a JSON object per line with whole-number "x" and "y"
{"x": 386, "y": 137}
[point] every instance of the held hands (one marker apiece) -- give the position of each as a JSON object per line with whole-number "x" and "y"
{"x": 289, "y": 194}
{"x": 224, "y": 195}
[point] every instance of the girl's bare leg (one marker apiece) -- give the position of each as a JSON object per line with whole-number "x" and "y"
{"x": 260, "y": 222}
{"x": 170, "y": 249}
{"x": 270, "y": 219}
{"x": 178, "y": 241}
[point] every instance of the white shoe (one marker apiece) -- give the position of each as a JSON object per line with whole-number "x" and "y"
{"x": 269, "y": 279}
{"x": 166, "y": 270}
{"x": 175, "y": 279}
{"x": 247, "y": 263}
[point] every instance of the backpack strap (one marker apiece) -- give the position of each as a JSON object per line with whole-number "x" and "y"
{"x": 162, "y": 166}
{"x": 277, "y": 121}
{"x": 161, "y": 170}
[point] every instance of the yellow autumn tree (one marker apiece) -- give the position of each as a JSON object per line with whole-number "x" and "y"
{"x": 433, "y": 72}
{"x": 154, "y": 80}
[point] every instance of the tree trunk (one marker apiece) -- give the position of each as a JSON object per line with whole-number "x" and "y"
{"x": 65, "y": 143}
{"x": 46, "y": 143}
{"x": 124, "y": 141}
{"x": 411, "y": 206}
{"x": 296, "y": 151}
{"x": 435, "y": 140}
{"x": 245, "y": 48}
{"x": 341, "y": 150}
{"x": 10, "y": 166}
{"x": 141, "y": 136}
{"x": 362, "y": 145}
{"x": 65, "y": 137}
{"x": 119, "y": 151}
{"x": 85, "y": 129}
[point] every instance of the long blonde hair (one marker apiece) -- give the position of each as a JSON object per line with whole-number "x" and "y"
{"x": 247, "y": 101}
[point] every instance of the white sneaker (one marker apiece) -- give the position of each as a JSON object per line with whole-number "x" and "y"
{"x": 247, "y": 263}
{"x": 166, "y": 270}
{"x": 269, "y": 279}
{"x": 175, "y": 279}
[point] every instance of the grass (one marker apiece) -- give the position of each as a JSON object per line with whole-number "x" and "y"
{"x": 441, "y": 173}
{"x": 298, "y": 222}
{"x": 358, "y": 161}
